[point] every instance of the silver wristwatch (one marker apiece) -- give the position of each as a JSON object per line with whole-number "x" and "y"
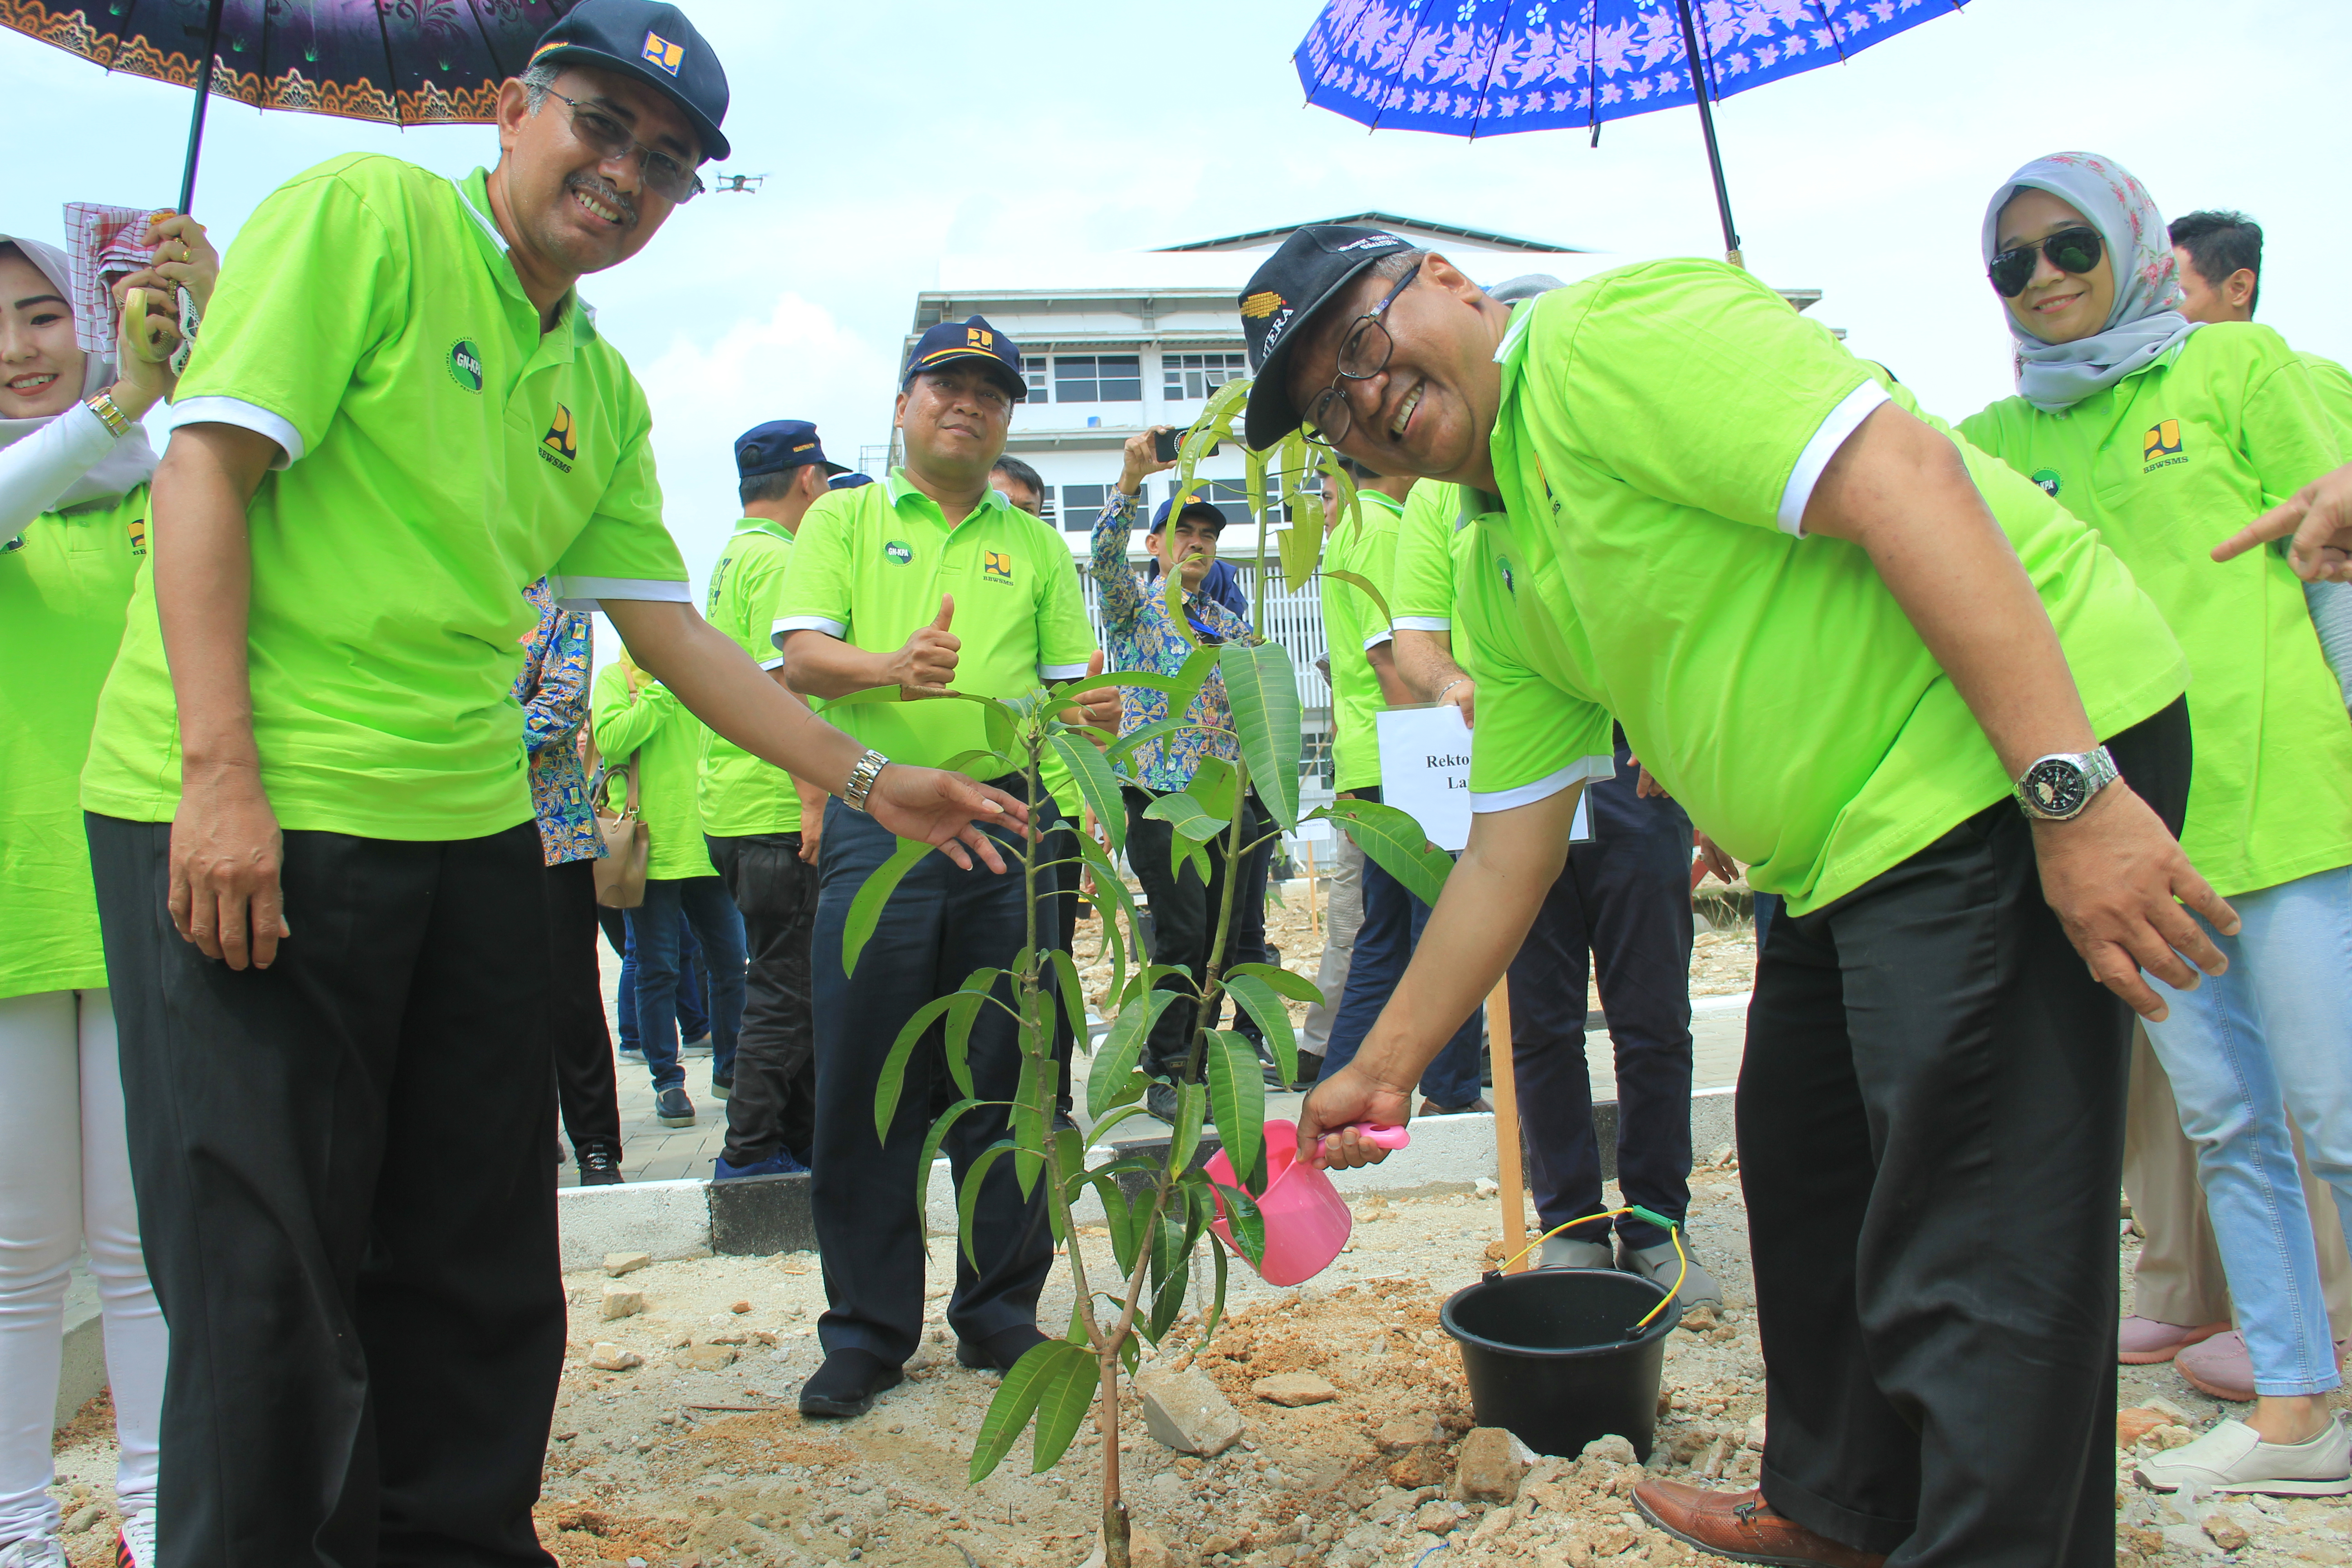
{"x": 2057, "y": 787}
{"x": 861, "y": 780}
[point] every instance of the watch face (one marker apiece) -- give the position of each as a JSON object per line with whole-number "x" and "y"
{"x": 2057, "y": 786}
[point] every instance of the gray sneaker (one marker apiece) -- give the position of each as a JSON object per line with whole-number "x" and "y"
{"x": 673, "y": 1109}
{"x": 1661, "y": 1265}
{"x": 1568, "y": 1252}
{"x": 41, "y": 1551}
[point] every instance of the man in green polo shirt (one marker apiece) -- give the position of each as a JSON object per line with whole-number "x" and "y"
{"x": 1836, "y": 635}
{"x": 931, "y": 581}
{"x": 318, "y": 876}
{"x": 763, "y": 825}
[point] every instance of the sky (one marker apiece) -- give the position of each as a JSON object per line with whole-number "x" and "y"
{"x": 895, "y": 133}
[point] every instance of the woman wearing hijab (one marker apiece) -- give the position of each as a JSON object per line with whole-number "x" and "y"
{"x": 74, "y": 465}
{"x": 2163, "y": 435}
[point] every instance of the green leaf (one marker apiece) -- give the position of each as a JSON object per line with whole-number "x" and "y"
{"x": 982, "y": 764}
{"x": 1030, "y": 1119}
{"x": 1121, "y": 1047}
{"x": 1192, "y": 1100}
{"x": 967, "y": 1001}
{"x": 853, "y": 699}
{"x": 1109, "y": 884}
{"x": 1365, "y": 585}
{"x": 1074, "y": 996}
{"x": 1069, "y": 1390}
{"x": 1009, "y": 1412}
{"x": 1210, "y": 1319}
{"x": 893, "y": 1081}
{"x": 1185, "y": 814}
{"x": 1297, "y": 987}
{"x": 1121, "y": 1112}
{"x": 1198, "y": 664}
{"x": 1097, "y": 783}
{"x": 866, "y": 909}
{"x": 968, "y": 1194}
{"x": 1246, "y": 1223}
{"x": 1257, "y": 999}
{"x": 1302, "y": 542}
{"x": 1171, "y": 599}
{"x": 1395, "y": 840}
{"x": 931, "y": 1143}
{"x": 1000, "y": 717}
{"x": 1135, "y": 740}
{"x": 1237, "y": 1093}
{"x": 1264, "y": 691}
{"x": 1213, "y": 787}
{"x": 1172, "y": 685}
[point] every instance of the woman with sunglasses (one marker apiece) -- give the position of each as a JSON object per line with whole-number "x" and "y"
{"x": 2162, "y": 435}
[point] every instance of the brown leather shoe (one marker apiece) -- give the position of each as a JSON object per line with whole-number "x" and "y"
{"x": 1742, "y": 1527}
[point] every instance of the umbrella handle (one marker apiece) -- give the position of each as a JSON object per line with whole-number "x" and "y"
{"x": 204, "y": 92}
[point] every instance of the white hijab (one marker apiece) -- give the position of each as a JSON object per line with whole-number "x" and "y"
{"x": 130, "y": 462}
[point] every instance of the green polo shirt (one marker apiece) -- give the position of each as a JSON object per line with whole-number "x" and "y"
{"x": 871, "y": 566}
{"x": 1660, "y": 430}
{"x": 1434, "y": 541}
{"x": 741, "y": 793}
{"x": 62, "y": 592}
{"x": 1353, "y": 626}
{"x": 2164, "y": 463}
{"x": 439, "y": 453}
{"x": 651, "y": 728}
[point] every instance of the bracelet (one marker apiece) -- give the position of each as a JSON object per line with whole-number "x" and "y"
{"x": 1450, "y": 685}
{"x": 861, "y": 780}
{"x": 117, "y": 423}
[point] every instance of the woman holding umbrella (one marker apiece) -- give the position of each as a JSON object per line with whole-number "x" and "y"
{"x": 74, "y": 465}
{"x": 2156, "y": 432}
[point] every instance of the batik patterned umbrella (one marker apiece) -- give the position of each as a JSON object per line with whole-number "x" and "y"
{"x": 1483, "y": 67}
{"x": 403, "y": 62}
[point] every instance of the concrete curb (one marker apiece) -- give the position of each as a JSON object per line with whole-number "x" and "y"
{"x": 761, "y": 1215}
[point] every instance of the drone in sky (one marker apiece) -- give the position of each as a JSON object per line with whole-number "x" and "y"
{"x": 740, "y": 185}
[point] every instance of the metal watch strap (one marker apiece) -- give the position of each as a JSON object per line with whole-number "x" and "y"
{"x": 117, "y": 423}
{"x": 861, "y": 780}
{"x": 2096, "y": 768}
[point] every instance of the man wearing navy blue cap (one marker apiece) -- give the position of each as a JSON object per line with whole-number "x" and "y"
{"x": 763, "y": 824}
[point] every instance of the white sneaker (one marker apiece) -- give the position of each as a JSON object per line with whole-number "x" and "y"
{"x": 134, "y": 1544}
{"x": 2232, "y": 1458}
{"x": 41, "y": 1551}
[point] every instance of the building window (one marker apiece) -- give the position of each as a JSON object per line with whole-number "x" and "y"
{"x": 1192, "y": 378}
{"x": 1032, "y": 368}
{"x": 1081, "y": 504}
{"x": 1097, "y": 378}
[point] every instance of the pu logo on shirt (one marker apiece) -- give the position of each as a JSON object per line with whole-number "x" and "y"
{"x": 138, "y": 527}
{"x": 996, "y": 565}
{"x": 897, "y": 552}
{"x": 1511, "y": 584}
{"x": 2161, "y": 446}
{"x": 466, "y": 365}
{"x": 660, "y": 51}
{"x": 718, "y": 578}
{"x": 2049, "y": 482}
{"x": 560, "y": 445}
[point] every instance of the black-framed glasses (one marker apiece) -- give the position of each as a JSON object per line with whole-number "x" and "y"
{"x": 2076, "y": 249}
{"x": 1364, "y": 354}
{"x": 609, "y": 139}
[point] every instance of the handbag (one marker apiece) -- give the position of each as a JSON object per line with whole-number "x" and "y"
{"x": 621, "y": 874}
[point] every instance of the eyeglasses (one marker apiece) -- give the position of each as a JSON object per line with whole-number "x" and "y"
{"x": 2076, "y": 249}
{"x": 609, "y": 139}
{"x": 1364, "y": 354}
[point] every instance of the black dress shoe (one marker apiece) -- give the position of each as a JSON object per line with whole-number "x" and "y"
{"x": 848, "y": 1383}
{"x": 600, "y": 1164}
{"x": 1159, "y": 1100}
{"x": 1000, "y": 1350}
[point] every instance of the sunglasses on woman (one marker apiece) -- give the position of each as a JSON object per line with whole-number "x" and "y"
{"x": 2076, "y": 249}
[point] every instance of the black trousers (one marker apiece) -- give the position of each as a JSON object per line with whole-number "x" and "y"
{"x": 577, "y": 1034}
{"x": 341, "y": 1169}
{"x": 774, "y": 1096}
{"x": 1931, "y": 1113}
{"x": 1060, "y": 846}
{"x": 1184, "y": 918}
{"x": 940, "y": 925}
{"x": 1622, "y": 901}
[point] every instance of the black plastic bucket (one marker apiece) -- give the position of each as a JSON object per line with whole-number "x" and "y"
{"x": 1549, "y": 1358}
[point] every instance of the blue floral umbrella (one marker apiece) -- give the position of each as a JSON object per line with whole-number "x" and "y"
{"x": 1483, "y": 67}
{"x": 402, "y": 62}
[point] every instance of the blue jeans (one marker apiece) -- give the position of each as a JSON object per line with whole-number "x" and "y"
{"x": 2245, "y": 1050}
{"x": 693, "y": 984}
{"x": 653, "y": 930}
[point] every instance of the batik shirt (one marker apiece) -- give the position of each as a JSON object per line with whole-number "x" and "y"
{"x": 553, "y": 692}
{"x": 1142, "y": 638}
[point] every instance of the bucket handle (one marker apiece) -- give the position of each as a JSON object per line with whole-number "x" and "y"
{"x": 1674, "y": 1232}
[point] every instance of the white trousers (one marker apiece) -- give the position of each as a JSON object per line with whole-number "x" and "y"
{"x": 65, "y": 1184}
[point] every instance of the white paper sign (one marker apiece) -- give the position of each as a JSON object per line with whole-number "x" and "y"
{"x": 1425, "y": 770}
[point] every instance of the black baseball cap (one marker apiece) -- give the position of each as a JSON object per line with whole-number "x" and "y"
{"x": 972, "y": 338}
{"x": 655, "y": 44}
{"x": 1314, "y": 264}
{"x": 1193, "y": 507}
{"x": 848, "y": 481}
{"x": 782, "y": 444}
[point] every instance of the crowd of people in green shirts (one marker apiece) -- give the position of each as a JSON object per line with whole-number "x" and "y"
{"x": 2029, "y": 723}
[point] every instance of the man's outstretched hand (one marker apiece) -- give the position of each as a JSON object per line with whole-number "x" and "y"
{"x": 2319, "y": 515}
{"x": 946, "y": 809}
{"x": 1336, "y": 1105}
{"x": 2119, "y": 880}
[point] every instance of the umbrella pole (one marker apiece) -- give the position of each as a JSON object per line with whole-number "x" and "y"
{"x": 1706, "y": 125}
{"x": 204, "y": 92}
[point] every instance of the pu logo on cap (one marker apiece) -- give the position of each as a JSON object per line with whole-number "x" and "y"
{"x": 997, "y": 565}
{"x": 560, "y": 445}
{"x": 660, "y": 51}
{"x": 978, "y": 338}
{"x": 803, "y": 446}
{"x": 1262, "y": 304}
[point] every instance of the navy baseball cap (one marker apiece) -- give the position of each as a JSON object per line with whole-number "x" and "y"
{"x": 1314, "y": 264}
{"x": 1193, "y": 506}
{"x": 655, "y": 44}
{"x": 849, "y": 482}
{"x": 778, "y": 445}
{"x": 972, "y": 338}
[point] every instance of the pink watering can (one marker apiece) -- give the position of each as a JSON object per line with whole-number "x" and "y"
{"x": 1307, "y": 1220}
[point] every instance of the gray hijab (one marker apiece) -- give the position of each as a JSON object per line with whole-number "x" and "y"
{"x": 130, "y": 462}
{"x": 2146, "y": 324}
